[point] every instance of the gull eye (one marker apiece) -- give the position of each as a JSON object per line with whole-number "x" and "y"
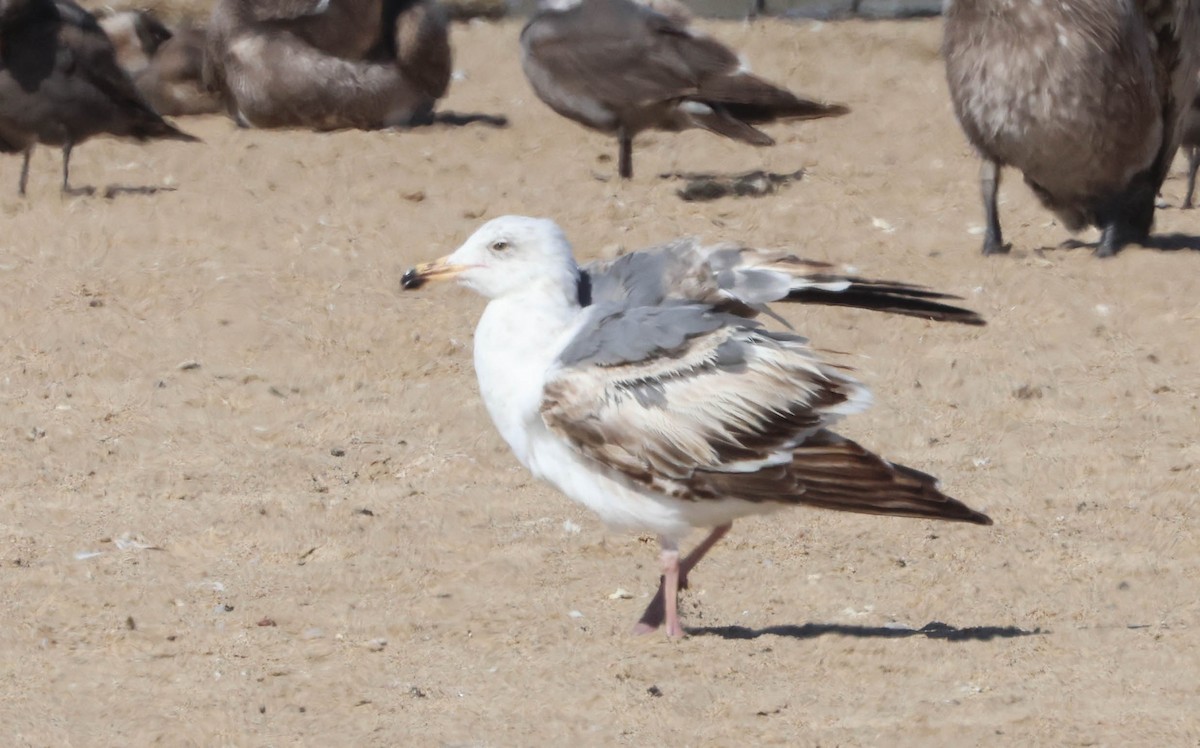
{"x": 499, "y": 245}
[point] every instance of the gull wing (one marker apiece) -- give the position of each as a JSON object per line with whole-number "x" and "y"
{"x": 620, "y": 55}
{"x": 698, "y": 405}
{"x": 743, "y": 281}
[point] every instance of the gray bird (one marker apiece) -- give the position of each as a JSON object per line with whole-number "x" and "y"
{"x": 622, "y": 68}
{"x": 60, "y": 85}
{"x": 1085, "y": 97}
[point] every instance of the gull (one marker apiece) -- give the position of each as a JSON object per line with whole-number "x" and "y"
{"x": 328, "y": 64}
{"x": 621, "y": 68}
{"x": 1085, "y": 97}
{"x": 60, "y": 84}
{"x": 165, "y": 63}
{"x": 642, "y": 388}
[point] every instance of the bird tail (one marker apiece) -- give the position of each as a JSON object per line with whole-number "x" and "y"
{"x": 160, "y": 129}
{"x": 884, "y": 296}
{"x": 753, "y": 100}
{"x": 719, "y": 121}
{"x": 758, "y": 277}
{"x": 836, "y": 473}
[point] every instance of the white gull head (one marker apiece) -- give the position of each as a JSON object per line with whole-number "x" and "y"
{"x": 507, "y": 255}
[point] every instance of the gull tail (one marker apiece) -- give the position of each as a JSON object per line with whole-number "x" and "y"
{"x": 886, "y": 296}
{"x": 157, "y": 128}
{"x": 719, "y": 121}
{"x": 755, "y": 101}
{"x": 756, "y": 277}
{"x": 833, "y": 472}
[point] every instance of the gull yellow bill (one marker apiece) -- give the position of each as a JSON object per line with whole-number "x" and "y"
{"x": 439, "y": 269}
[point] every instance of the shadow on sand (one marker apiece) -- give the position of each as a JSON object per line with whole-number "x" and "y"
{"x": 704, "y": 186}
{"x": 932, "y": 630}
{"x": 1174, "y": 242}
{"x": 461, "y": 119}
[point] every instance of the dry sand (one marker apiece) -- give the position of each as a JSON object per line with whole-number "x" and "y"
{"x": 251, "y": 496}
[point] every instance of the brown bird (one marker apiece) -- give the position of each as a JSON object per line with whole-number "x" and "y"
{"x": 1085, "y": 97}
{"x": 173, "y": 81}
{"x": 621, "y": 68}
{"x": 1191, "y": 144}
{"x": 60, "y": 85}
{"x": 136, "y": 36}
{"x": 329, "y": 64}
{"x": 642, "y": 389}
{"x": 165, "y": 63}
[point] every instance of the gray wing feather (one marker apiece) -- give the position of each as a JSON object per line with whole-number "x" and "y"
{"x": 615, "y": 335}
{"x": 743, "y": 281}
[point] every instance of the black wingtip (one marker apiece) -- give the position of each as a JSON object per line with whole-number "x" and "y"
{"x": 894, "y": 299}
{"x": 411, "y": 280}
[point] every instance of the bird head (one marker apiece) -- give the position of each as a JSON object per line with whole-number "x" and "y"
{"x": 506, "y": 255}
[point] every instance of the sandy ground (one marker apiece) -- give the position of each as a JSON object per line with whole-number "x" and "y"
{"x": 251, "y": 496}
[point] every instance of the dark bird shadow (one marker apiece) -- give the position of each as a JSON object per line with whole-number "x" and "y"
{"x": 1175, "y": 242}
{"x": 931, "y": 630}
{"x": 119, "y": 190}
{"x": 705, "y": 186}
{"x": 462, "y": 119}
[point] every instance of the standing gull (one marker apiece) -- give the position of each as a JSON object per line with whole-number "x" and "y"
{"x": 642, "y": 389}
{"x": 621, "y": 68}
{"x": 60, "y": 84}
{"x": 1085, "y": 97}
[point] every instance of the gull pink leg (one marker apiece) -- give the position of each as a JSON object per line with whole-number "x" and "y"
{"x": 664, "y": 605}
{"x": 670, "y": 588}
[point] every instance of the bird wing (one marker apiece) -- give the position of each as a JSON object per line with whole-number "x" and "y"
{"x": 668, "y": 395}
{"x": 742, "y": 281}
{"x": 698, "y": 405}
{"x": 283, "y": 10}
{"x": 87, "y": 52}
{"x": 622, "y": 54}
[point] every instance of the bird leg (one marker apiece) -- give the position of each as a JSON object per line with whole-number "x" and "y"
{"x": 1193, "y": 154}
{"x": 989, "y": 186}
{"x": 67, "y": 189}
{"x": 624, "y": 154}
{"x": 664, "y": 606}
{"x": 24, "y": 172}
{"x": 1127, "y": 217}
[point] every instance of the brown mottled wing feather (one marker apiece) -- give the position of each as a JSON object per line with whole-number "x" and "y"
{"x": 727, "y": 412}
{"x": 832, "y": 472}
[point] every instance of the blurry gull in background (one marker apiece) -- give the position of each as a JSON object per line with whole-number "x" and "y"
{"x": 621, "y": 68}
{"x": 60, "y": 84}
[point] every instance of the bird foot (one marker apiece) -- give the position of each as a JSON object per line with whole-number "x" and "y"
{"x": 655, "y": 614}
{"x": 641, "y": 628}
{"x": 996, "y": 248}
